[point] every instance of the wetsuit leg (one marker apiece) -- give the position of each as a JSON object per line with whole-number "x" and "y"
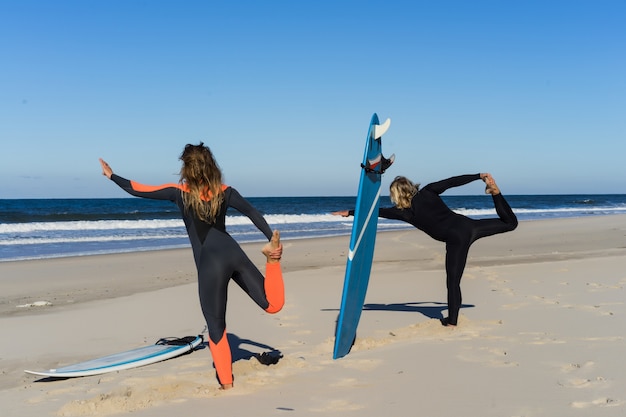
{"x": 222, "y": 359}
{"x": 274, "y": 287}
{"x": 464, "y": 232}
{"x": 506, "y": 222}
{"x": 221, "y": 259}
{"x": 456, "y": 258}
{"x": 213, "y": 277}
{"x": 504, "y": 211}
{"x": 269, "y": 291}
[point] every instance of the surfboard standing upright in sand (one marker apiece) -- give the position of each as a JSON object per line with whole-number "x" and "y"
{"x": 363, "y": 237}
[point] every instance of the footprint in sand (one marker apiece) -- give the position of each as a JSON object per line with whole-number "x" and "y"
{"x": 582, "y": 382}
{"x": 597, "y": 287}
{"x": 602, "y": 309}
{"x": 545, "y": 300}
{"x": 575, "y": 367}
{"x": 504, "y": 291}
{"x": 488, "y": 356}
{"x": 600, "y": 402}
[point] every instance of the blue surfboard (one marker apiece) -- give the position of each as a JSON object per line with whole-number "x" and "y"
{"x": 362, "y": 239}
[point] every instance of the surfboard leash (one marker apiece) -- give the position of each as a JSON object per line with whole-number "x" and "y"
{"x": 178, "y": 341}
{"x": 383, "y": 162}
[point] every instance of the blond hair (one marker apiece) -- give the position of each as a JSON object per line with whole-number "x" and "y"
{"x": 402, "y": 191}
{"x": 202, "y": 178}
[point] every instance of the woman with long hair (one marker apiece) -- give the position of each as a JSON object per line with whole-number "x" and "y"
{"x": 203, "y": 200}
{"x": 424, "y": 209}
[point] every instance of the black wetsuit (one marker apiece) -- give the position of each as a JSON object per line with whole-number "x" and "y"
{"x": 219, "y": 258}
{"x": 430, "y": 214}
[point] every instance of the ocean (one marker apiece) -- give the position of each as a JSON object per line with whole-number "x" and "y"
{"x": 51, "y": 228}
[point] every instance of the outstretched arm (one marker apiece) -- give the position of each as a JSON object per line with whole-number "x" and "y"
{"x": 392, "y": 213}
{"x": 159, "y": 192}
{"x": 441, "y": 186}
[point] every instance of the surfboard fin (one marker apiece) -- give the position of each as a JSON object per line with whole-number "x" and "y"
{"x": 380, "y": 130}
{"x": 387, "y": 162}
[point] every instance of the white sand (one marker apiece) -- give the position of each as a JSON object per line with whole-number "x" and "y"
{"x": 541, "y": 332}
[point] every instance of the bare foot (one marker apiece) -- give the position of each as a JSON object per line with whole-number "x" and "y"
{"x": 491, "y": 187}
{"x": 226, "y": 386}
{"x": 273, "y": 250}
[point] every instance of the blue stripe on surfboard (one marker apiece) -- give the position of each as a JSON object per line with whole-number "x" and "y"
{"x": 147, "y": 352}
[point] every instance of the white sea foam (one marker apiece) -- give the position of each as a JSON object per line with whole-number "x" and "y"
{"x": 30, "y": 240}
{"x": 8, "y": 228}
{"x": 272, "y": 219}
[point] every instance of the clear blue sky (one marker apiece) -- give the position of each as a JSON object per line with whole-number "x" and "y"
{"x": 282, "y": 91}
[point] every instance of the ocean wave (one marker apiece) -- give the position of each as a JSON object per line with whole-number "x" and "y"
{"x": 32, "y": 236}
{"x": 553, "y": 212}
{"x": 85, "y": 239}
{"x": 272, "y": 219}
{"x": 85, "y": 225}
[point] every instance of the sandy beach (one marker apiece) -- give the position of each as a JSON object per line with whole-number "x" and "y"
{"x": 541, "y": 332}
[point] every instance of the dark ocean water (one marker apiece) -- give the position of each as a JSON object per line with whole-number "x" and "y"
{"x": 46, "y": 228}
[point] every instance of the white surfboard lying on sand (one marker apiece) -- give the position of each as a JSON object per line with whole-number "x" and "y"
{"x": 162, "y": 350}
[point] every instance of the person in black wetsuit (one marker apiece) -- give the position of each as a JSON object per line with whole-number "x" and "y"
{"x": 425, "y": 210}
{"x": 203, "y": 200}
